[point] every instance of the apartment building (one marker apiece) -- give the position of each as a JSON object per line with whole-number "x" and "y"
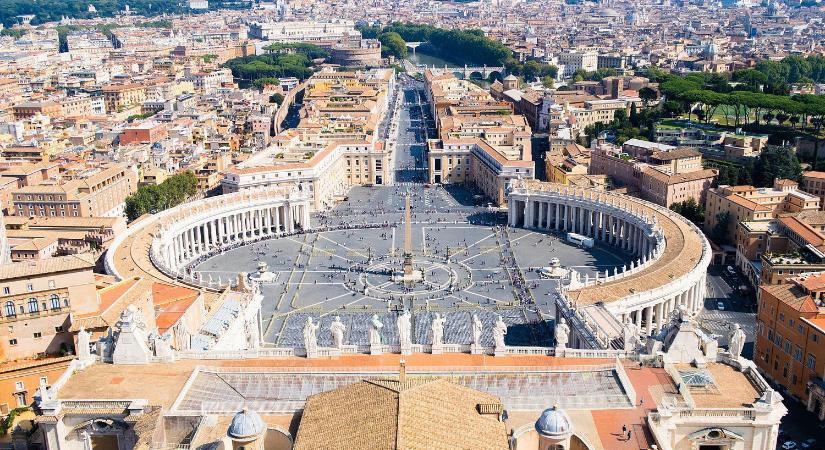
{"x": 482, "y": 142}
{"x": 118, "y": 97}
{"x": 748, "y": 203}
{"x": 38, "y": 297}
{"x": 99, "y": 192}
{"x": 575, "y": 60}
{"x": 790, "y": 335}
{"x": 658, "y": 173}
{"x": 813, "y": 182}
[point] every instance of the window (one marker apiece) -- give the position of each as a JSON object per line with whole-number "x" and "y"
{"x": 781, "y": 315}
{"x": 38, "y": 334}
{"x": 10, "y": 308}
{"x": 58, "y": 329}
{"x": 18, "y": 386}
{"x": 12, "y": 342}
{"x": 29, "y": 287}
{"x": 51, "y": 284}
{"x": 797, "y": 353}
{"x": 55, "y": 299}
{"x": 811, "y": 362}
{"x": 6, "y": 290}
{"x": 787, "y": 346}
{"x": 33, "y": 306}
{"x": 21, "y": 399}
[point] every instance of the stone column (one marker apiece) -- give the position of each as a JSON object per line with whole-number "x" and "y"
{"x": 557, "y": 216}
{"x": 278, "y": 220}
{"x": 639, "y": 319}
{"x": 290, "y": 224}
{"x": 649, "y": 316}
{"x": 660, "y": 308}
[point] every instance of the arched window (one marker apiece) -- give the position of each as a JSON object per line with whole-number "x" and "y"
{"x": 33, "y": 306}
{"x": 10, "y": 308}
{"x": 55, "y": 301}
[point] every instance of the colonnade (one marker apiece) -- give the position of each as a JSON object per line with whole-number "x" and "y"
{"x": 214, "y": 229}
{"x": 628, "y": 224}
{"x": 623, "y": 230}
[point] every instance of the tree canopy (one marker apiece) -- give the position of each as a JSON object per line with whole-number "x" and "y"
{"x": 278, "y": 64}
{"x": 392, "y": 44}
{"x": 154, "y": 198}
{"x": 775, "y": 162}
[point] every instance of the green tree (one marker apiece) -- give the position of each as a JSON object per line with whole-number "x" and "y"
{"x": 648, "y": 95}
{"x": 392, "y": 44}
{"x": 690, "y": 209}
{"x": 719, "y": 234}
{"x": 154, "y": 198}
{"x": 775, "y": 162}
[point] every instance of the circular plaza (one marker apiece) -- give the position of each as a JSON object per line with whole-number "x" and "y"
{"x": 468, "y": 261}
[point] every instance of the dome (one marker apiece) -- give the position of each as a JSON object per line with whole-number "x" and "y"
{"x": 553, "y": 423}
{"x": 246, "y": 425}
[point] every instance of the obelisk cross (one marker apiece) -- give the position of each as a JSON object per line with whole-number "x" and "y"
{"x": 408, "y": 265}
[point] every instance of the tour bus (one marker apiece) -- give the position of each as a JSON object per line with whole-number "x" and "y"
{"x": 578, "y": 239}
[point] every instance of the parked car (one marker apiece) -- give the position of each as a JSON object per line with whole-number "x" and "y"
{"x": 808, "y": 443}
{"x": 720, "y": 306}
{"x": 731, "y": 270}
{"x": 789, "y": 445}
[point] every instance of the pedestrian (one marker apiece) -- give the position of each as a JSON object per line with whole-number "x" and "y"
{"x": 629, "y": 433}
{"x": 624, "y": 429}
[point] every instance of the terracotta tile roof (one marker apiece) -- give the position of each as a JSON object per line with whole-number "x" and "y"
{"x": 745, "y": 203}
{"x": 808, "y": 234}
{"x": 792, "y": 295}
{"x": 45, "y": 266}
{"x": 386, "y": 414}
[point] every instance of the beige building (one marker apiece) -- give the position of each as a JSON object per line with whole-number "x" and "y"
{"x": 482, "y": 143}
{"x": 475, "y": 162}
{"x": 658, "y": 173}
{"x": 98, "y": 193}
{"x": 121, "y": 96}
{"x": 38, "y": 299}
{"x": 813, "y": 182}
{"x": 748, "y": 203}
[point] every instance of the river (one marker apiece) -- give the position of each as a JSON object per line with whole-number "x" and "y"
{"x": 429, "y": 60}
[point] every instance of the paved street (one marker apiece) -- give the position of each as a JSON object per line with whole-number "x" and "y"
{"x": 724, "y": 306}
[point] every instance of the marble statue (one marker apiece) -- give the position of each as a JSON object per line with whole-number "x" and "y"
{"x": 404, "y": 329}
{"x": 499, "y": 330}
{"x": 251, "y": 332}
{"x": 562, "y": 333}
{"x": 310, "y": 338}
{"x": 45, "y": 395}
{"x": 736, "y": 340}
{"x": 83, "y": 351}
{"x": 629, "y": 333}
{"x": 337, "y": 329}
{"x": 375, "y": 330}
{"x": 437, "y": 328}
{"x": 477, "y": 329}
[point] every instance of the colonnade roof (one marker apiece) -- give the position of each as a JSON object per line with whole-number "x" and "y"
{"x": 131, "y": 255}
{"x": 682, "y": 253}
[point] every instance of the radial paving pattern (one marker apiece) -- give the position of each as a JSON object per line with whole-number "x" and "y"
{"x": 350, "y": 272}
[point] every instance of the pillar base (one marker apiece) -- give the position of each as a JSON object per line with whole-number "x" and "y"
{"x": 376, "y": 349}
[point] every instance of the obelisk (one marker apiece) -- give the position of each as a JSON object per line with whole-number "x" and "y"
{"x": 408, "y": 259}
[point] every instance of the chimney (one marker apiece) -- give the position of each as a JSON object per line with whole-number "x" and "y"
{"x": 402, "y": 372}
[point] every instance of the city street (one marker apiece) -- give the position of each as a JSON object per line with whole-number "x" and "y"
{"x": 415, "y": 127}
{"x": 724, "y": 306}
